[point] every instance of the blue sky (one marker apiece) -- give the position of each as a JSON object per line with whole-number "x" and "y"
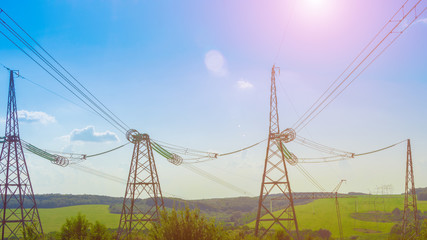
{"x": 196, "y": 74}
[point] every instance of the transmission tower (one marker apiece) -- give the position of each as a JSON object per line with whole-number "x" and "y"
{"x": 409, "y": 223}
{"x": 19, "y": 208}
{"x": 275, "y": 177}
{"x": 143, "y": 182}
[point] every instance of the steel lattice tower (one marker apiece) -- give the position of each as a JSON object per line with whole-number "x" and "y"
{"x": 19, "y": 208}
{"x": 143, "y": 182}
{"x": 275, "y": 177}
{"x": 409, "y": 223}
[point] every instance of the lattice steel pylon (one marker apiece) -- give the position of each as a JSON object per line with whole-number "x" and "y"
{"x": 275, "y": 178}
{"x": 143, "y": 182}
{"x": 19, "y": 208}
{"x": 410, "y": 224}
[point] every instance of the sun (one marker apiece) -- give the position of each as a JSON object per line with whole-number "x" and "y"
{"x": 315, "y": 3}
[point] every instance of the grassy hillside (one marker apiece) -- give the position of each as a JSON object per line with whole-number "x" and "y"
{"x": 322, "y": 214}
{"x": 314, "y": 215}
{"x": 53, "y": 218}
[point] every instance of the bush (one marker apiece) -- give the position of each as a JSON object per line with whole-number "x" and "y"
{"x": 99, "y": 232}
{"x": 80, "y": 228}
{"x": 423, "y": 231}
{"x": 186, "y": 224}
{"x": 30, "y": 232}
{"x": 75, "y": 228}
{"x": 395, "y": 232}
{"x": 422, "y": 195}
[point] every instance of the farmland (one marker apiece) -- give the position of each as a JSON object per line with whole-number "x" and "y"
{"x": 53, "y": 218}
{"x": 321, "y": 214}
{"x": 314, "y": 215}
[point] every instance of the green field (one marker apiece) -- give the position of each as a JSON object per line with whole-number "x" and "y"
{"x": 53, "y": 218}
{"x": 315, "y": 215}
{"x": 322, "y": 214}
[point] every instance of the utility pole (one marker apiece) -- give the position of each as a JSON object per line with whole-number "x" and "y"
{"x": 409, "y": 230}
{"x": 19, "y": 209}
{"x": 275, "y": 176}
{"x": 143, "y": 182}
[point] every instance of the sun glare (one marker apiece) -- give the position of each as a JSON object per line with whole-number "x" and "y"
{"x": 318, "y": 7}
{"x": 315, "y": 3}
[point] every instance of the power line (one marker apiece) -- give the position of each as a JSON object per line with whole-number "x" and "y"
{"x": 90, "y": 100}
{"x": 310, "y": 177}
{"x": 242, "y": 149}
{"x": 59, "y": 81}
{"x": 213, "y": 178}
{"x": 44, "y": 50}
{"x": 99, "y": 173}
{"x": 66, "y": 158}
{"x": 346, "y": 157}
{"x": 110, "y": 177}
{"x": 48, "y": 90}
{"x": 322, "y": 148}
{"x": 379, "y": 150}
{"x": 335, "y": 89}
{"x": 198, "y": 156}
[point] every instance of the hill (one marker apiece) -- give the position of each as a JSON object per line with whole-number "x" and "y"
{"x": 235, "y": 211}
{"x": 238, "y": 210}
{"x": 53, "y": 218}
{"x": 366, "y": 216}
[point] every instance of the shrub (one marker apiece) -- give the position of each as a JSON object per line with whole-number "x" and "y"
{"x": 79, "y": 228}
{"x": 186, "y": 224}
{"x": 30, "y": 233}
{"x": 422, "y": 195}
{"x": 75, "y": 228}
{"x": 99, "y": 232}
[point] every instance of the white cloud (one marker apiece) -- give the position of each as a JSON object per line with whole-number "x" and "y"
{"x": 422, "y": 20}
{"x": 242, "y": 84}
{"x": 40, "y": 117}
{"x": 215, "y": 63}
{"x": 88, "y": 134}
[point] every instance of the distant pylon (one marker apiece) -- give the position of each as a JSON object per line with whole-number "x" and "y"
{"x": 143, "y": 182}
{"x": 275, "y": 178}
{"x": 409, "y": 223}
{"x": 19, "y": 208}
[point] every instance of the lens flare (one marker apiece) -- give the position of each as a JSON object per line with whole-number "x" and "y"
{"x": 315, "y": 3}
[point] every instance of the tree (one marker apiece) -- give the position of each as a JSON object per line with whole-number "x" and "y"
{"x": 395, "y": 232}
{"x": 423, "y": 231}
{"x": 281, "y": 235}
{"x": 186, "y": 224}
{"x": 99, "y": 232}
{"x": 76, "y": 228}
{"x": 422, "y": 195}
{"x": 79, "y": 228}
{"x": 30, "y": 233}
{"x": 324, "y": 233}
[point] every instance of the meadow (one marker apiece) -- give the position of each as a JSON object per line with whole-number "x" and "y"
{"x": 53, "y": 218}
{"x": 321, "y": 213}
